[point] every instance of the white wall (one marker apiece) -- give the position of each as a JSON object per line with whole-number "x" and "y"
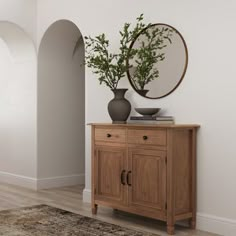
{"x": 61, "y": 107}
{"x": 21, "y": 12}
{"x": 18, "y": 160}
{"x": 206, "y": 95}
{"x": 18, "y": 106}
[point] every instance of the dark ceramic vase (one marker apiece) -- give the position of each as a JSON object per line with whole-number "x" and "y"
{"x": 142, "y": 92}
{"x": 119, "y": 107}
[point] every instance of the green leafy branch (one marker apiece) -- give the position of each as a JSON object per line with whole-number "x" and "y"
{"x": 149, "y": 53}
{"x": 111, "y": 67}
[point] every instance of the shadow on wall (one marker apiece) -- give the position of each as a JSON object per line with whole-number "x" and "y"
{"x": 18, "y": 104}
{"x": 61, "y": 107}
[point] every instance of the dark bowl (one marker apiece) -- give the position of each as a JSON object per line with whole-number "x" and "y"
{"x": 147, "y": 111}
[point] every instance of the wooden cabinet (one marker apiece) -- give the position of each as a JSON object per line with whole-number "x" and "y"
{"x": 145, "y": 169}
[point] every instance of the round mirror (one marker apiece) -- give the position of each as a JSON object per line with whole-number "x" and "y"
{"x": 158, "y": 61}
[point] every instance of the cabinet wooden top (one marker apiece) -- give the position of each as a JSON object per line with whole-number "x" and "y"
{"x": 130, "y": 125}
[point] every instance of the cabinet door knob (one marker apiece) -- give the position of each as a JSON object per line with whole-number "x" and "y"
{"x": 128, "y": 179}
{"x": 145, "y": 137}
{"x": 122, "y": 177}
{"x": 108, "y": 135}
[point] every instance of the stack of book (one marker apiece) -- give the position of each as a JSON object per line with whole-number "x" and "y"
{"x": 152, "y": 119}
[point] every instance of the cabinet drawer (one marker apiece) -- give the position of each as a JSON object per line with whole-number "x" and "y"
{"x": 110, "y": 135}
{"x": 151, "y": 137}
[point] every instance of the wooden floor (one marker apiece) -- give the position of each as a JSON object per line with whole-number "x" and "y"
{"x": 70, "y": 198}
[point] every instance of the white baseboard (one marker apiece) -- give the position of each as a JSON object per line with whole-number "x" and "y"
{"x": 205, "y": 222}
{"x": 18, "y": 180}
{"x": 87, "y": 195}
{"x": 41, "y": 183}
{"x": 215, "y": 224}
{"x": 60, "y": 181}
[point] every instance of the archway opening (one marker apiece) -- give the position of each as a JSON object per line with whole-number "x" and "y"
{"x": 18, "y": 106}
{"x": 61, "y": 107}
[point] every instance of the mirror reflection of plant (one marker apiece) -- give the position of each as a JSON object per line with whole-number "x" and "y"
{"x": 149, "y": 54}
{"x": 111, "y": 67}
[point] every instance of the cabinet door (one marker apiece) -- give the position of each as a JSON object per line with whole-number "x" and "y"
{"x": 109, "y": 165}
{"x": 147, "y": 179}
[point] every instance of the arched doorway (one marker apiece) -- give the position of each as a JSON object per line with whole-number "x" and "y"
{"x": 18, "y": 79}
{"x": 61, "y": 107}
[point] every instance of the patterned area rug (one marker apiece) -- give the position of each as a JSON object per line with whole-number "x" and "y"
{"x": 43, "y": 220}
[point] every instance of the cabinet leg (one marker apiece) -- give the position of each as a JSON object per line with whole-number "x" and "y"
{"x": 192, "y": 223}
{"x": 94, "y": 209}
{"x": 171, "y": 229}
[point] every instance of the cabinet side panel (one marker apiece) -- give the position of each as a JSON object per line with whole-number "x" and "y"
{"x": 182, "y": 156}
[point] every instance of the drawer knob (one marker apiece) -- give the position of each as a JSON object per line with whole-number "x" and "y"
{"x": 145, "y": 137}
{"x": 108, "y": 135}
